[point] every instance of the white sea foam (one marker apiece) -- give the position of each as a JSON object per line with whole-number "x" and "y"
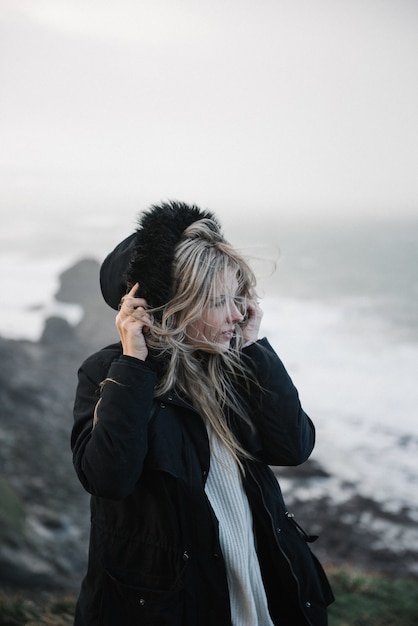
{"x": 358, "y": 386}
{"x": 27, "y": 295}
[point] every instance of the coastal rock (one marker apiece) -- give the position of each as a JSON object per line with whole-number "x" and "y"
{"x": 80, "y": 285}
{"x": 57, "y": 331}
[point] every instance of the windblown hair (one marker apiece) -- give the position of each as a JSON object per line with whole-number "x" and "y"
{"x": 204, "y": 374}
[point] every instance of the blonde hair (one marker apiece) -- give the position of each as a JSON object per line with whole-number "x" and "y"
{"x": 207, "y": 376}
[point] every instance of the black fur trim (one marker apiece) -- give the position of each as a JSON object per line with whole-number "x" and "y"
{"x": 147, "y": 256}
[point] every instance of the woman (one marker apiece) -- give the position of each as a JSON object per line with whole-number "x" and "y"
{"x": 175, "y": 428}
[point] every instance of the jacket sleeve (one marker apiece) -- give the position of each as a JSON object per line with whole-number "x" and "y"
{"x": 112, "y": 410}
{"x": 286, "y": 433}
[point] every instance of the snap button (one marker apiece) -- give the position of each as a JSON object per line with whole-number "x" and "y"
{"x": 141, "y": 601}
{"x": 185, "y": 556}
{"x": 162, "y": 405}
{"x": 278, "y": 530}
{"x": 308, "y": 605}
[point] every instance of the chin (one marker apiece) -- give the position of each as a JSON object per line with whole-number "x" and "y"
{"x": 223, "y": 345}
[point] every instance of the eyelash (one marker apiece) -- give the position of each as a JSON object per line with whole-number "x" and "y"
{"x": 220, "y": 302}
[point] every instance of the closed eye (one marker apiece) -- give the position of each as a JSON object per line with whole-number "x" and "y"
{"x": 219, "y": 302}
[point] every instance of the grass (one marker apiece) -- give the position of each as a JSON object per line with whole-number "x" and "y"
{"x": 361, "y": 600}
{"x": 19, "y": 610}
{"x": 372, "y": 600}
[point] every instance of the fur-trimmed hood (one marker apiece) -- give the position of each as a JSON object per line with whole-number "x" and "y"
{"x": 147, "y": 255}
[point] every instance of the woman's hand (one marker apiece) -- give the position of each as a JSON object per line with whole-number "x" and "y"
{"x": 132, "y": 322}
{"x": 251, "y": 325}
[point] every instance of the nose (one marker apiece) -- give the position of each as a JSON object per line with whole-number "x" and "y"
{"x": 235, "y": 315}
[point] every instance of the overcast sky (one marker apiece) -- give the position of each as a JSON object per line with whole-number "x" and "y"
{"x": 300, "y": 106}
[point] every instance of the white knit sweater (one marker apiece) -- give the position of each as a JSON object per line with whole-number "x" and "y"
{"x": 230, "y": 504}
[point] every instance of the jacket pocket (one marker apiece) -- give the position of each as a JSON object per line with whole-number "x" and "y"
{"x": 131, "y": 605}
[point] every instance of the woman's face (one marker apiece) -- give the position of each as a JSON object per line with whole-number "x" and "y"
{"x": 219, "y": 318}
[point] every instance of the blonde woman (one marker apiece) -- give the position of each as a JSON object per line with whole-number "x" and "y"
{"x": 175, "y": 428}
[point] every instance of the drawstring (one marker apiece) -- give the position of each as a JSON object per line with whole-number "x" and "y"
{"x": 308, "y": 538}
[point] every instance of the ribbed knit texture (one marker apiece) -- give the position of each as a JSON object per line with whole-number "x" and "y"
{"x": 230, "y": 504}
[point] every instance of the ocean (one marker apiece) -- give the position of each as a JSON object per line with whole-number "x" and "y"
{"x": 340, "y": 309}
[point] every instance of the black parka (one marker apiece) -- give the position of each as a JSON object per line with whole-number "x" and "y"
{"x": 154, "y": 555}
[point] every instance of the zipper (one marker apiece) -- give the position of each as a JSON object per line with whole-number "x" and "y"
{"x": 280, "y": 548}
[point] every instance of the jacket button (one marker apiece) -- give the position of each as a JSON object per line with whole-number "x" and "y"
{"x": 216, "y": 556}
{"x": 162, "y": 405}
{"x": 185, "y": 556}
{"x": 141, "y": 601}
{"x": 308, "y": 605}
{"x": 278, "y": 531}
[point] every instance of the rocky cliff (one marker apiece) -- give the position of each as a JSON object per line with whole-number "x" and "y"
{"x": 43, "y": 510}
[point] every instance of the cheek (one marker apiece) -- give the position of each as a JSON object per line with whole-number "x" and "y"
{"x": 207, "y": 326}
{"x": 197, "y": 329}
{"x": 211, "y": 323}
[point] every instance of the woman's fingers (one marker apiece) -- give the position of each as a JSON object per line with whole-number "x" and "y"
{"x": 140, "y": 316}
{"x": 130, "y": 303}
{"x": 132, "y": 321}
{"x": 251, "y": 326}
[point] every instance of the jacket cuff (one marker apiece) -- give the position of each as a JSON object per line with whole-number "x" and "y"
{"x": 133, "y": 361}
{"x": 251, "y": 345}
